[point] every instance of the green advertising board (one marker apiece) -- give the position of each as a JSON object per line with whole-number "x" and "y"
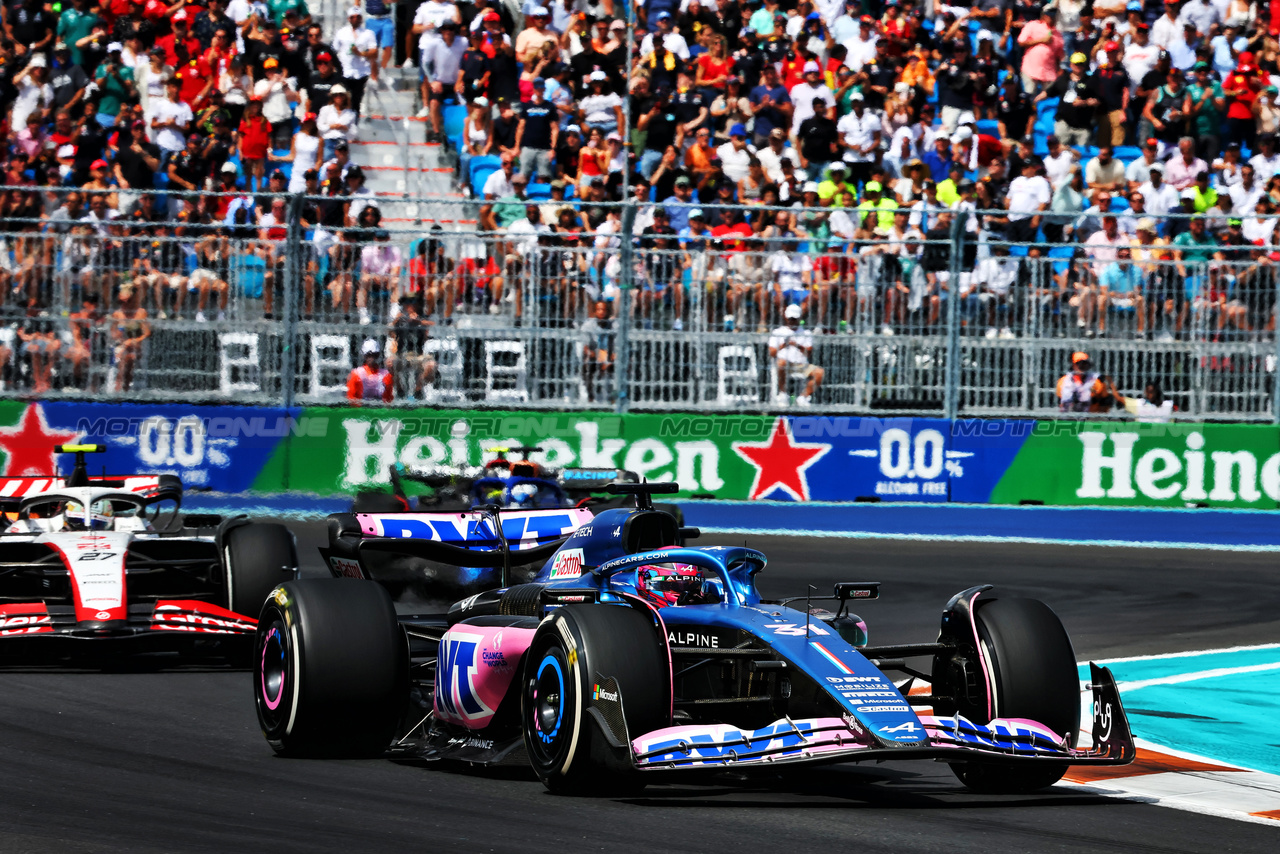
{"x": 358, "y": 447}
{"x": 1153, "y": 465}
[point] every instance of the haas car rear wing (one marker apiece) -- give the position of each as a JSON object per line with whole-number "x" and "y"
{"x": 153, "y": 487}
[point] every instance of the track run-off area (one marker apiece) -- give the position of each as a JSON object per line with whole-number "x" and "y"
{"x": 172, "y": 760}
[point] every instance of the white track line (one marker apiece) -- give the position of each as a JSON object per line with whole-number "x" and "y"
{"x": 1188, "y": 654}
{"x": 1179, "y": 678}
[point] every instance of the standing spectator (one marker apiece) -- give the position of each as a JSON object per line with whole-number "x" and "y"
{"x": 1113, "y": 86}
{"x": 279, "y": 98}
{"x": 1043, "y": 50}
{"x": 356, "y": 46}
{"x": 74, "y": 24}
{"x": 536, "y": 33}
{"x": 1029, "y": 196}
{"x": 957, "y": 77}
{"x": 406, "y": 350}
{"x": 170, "y": 121}
{"x": 861, "y": 133}
{"x": 537, "y": 132}
{"x": 1073, "y": 123}
{"x": 115, "y": 85}
{"x": 208, "y": 22}
{"x": 35, "y": 95}
{"x": 130, "y": 332}
{"x": 371, "y": 381}
{"x": 382, "y": 24}
{"x": 819, "y": 141}
{"x": 771, "y": 104}
{"x": 336, "y": 121}
{"x": 441, "y": 76}
{"x": 1205, "y": 103}
{"x": 803, "y": 95}
{"x": 253, "y": 143}
{"x": 1241, "y": 87}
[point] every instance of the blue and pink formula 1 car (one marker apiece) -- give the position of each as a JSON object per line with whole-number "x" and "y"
{"x": 605, "y": 654}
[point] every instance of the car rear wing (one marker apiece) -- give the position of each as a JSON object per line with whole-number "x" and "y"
{"x": 474, "y": 529}
{"x": 153, "y": 487}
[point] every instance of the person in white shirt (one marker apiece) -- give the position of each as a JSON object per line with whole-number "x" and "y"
{"x": 1161, "y": 198}
{"x": 790, "y": 348}
{"x": 1260, "y": 226}
{"x": 1167, "y": 30}
{"x": 336, "y": 121}
{"x": 860, "y": 131}
{"x": 1137, "y": 173}
{"x": 772, "y": 155}
{"x": 1245, "y": 195}
{"x": 35, "y": 95}
{"x": 1060, "y": 161}
{"x": 1140, "y": 56}
{"x": 673, "y": 41}
{"x": 995, "y": 277}
{"x": 169, "y": 120}
{"x": 1151, "y": 408}
{"x": 735, "y": 155}
{"x": 356, "y": 46}
{"x": 1028, "y": 196}
{"x": 861, "y": 49}
{"x": 1201, "y": 14}
{"x": 802, "y": 95}
{"x": 1267, "y": 161}
{"x": 279, "y": 96}
{"x": 430, "y": 16}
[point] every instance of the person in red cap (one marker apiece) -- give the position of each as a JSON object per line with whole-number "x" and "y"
{"x": 1241, "y": 88}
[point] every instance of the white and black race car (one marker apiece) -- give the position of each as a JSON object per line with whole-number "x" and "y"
{"x": 107, "y": 564}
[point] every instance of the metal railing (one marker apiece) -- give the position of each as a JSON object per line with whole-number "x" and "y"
{"x": 923, "y": 318}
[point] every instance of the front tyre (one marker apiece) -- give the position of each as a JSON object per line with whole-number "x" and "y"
{"x": 330, "y": 668}
{"x": 578, "y": 652}
{"x": 1034, "y": 677}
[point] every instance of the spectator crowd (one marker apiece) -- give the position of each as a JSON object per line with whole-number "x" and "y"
{"x": 800, "y": 168}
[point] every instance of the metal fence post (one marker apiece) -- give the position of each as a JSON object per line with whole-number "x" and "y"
{"x": 952, "y": 395}
{"x": 622, "y": 363}
{"x": 292, "y": 286}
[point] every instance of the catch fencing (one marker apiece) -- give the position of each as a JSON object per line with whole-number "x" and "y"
{"x": 611, "y": 312}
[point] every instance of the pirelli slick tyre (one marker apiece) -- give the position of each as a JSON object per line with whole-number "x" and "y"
{"x": 256, "y": 558}
{"x": 1034, "y": 674}
{"x": 589, "y": 669}
{"x": 330, "y": 668}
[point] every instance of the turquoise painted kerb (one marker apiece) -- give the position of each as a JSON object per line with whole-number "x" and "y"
{"x": 1230, "y": 717}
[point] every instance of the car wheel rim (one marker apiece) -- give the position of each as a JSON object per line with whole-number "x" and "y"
{"x": 547, "y": 704}
{"x": 273, "y": 672}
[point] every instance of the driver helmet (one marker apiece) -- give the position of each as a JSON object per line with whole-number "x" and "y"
{"x": 664, "y": 584}
{"x": 99, "y": 518}
{"x": 523, "y": 493}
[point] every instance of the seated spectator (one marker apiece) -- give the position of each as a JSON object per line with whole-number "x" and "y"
{"x": 1151, "y": 408}
{"x": 130, "y": 333}
{"x": 1104, "y": 172}
{"x": 791, "y": 348}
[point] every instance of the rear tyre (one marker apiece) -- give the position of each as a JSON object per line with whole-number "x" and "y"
{"x": 330, "y": 669}
{"x": 566, "y": 726}
{"x": 1035, "y": 677}
{"x": 257, "y": 557}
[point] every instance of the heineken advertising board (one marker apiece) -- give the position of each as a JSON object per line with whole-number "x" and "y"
{"x": 331, "y": 451}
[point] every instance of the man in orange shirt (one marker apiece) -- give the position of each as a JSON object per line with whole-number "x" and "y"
{"x": 371, "y": 380}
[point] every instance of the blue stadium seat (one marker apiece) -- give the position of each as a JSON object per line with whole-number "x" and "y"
{"x": 1119, "y": 203}
{"x": 482, "y": 167}
{"x": 538, "y": 192}
{"x": 990, "y": 127}
{"x": 1128, "y": 153}
{"x": 455, "y": 119}
{"x": 249, "y": 272}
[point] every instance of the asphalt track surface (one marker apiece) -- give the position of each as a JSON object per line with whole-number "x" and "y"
{"x": 174, "y": 761}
